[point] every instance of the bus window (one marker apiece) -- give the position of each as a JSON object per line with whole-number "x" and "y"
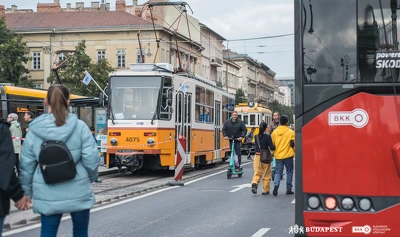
{"x": 252, "y": 119}
{"x": 240, "y": 116}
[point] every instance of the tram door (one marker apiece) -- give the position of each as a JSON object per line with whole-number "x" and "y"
{"x": 217, "y": 129}
{"x": 183, "y": 125}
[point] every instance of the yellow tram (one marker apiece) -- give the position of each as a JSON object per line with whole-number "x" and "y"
{"x": 149, "y": 106}
{"x": 252, "y": 114}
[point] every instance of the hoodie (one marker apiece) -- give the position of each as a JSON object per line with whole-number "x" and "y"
{"x": 70, "y": 196}
{"x": 281, "y": 138}
{"x": 16, "y": 130}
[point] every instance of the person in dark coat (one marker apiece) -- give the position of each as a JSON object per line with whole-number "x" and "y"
{"x": 10, "y": 187}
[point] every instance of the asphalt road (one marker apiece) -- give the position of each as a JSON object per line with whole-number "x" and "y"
{"x": 208, "y": 206}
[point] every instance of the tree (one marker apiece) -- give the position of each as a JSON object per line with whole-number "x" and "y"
{"x": 75, "y": 69}
{"x": 239, "y": 96}
{"x": 282, "y": 109}
{"x": 12, "y": 57}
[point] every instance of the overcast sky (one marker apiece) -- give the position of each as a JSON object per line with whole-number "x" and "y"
{"x": 233, "y": 19}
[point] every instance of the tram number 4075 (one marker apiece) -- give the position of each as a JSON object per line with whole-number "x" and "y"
{"x": 132, "y": 139}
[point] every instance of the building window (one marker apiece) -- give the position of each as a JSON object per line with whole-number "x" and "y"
{"x": 121, "y": 58}
{"x": 162, "y": 56}
{"x": 101, "y": 54}
{"x": 139, "y": 56}
{"x": 61, "y": 57}
{"x": 36, "y": 60}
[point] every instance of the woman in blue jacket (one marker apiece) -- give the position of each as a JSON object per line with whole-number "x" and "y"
{"x": 74, "y": 196}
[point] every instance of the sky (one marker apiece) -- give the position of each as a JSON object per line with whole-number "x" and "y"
{"x": 233, "y": 19}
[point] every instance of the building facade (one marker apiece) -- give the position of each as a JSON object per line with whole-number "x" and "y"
{"x": 108, "y": 34}
{"x": 290, "y": 82}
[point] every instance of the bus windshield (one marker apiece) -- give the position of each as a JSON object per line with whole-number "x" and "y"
{"x": 134, "y": 98}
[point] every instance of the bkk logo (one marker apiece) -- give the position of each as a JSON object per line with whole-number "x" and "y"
{"x": 361, "y": 229}
{"x": 357, "y": 118}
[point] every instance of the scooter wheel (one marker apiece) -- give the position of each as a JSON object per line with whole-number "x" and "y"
{"x": 229, "y": 174}
{"x": 240, "y": 175}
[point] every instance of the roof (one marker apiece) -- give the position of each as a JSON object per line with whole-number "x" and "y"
{"x": 70, "y": 20}
{"x": 209, "y": 29}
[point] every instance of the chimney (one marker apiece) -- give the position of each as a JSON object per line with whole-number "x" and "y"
{"x": 80, "y": 5}
{"x": 134, "y": 2}
{"x": 2, "y": 10}
{"x": 48, "y": 7}
{"x": 120, "y": 6}
{"x": 69, "y": 6}
{"x": 13, "y": 8}
{"x": 95, "y": 5}
{"x": 108, "y": 6}
{"x": 57, "y": 1}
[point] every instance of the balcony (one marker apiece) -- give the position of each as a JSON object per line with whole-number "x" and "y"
{"x": 214, "y": 61}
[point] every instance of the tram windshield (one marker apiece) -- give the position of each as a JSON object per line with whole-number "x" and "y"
{"x": 134, "y": 98}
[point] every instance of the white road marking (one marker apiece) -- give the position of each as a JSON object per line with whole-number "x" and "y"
{"x": 239, "y": 187}
{"x": 294, "y": 201}
{"x": 261, "y": 232}
{"x": 26, "y": 228}
{"x": 208, "y": 176}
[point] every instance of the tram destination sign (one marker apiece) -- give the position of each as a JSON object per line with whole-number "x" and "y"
{"x": 388, "y": 59}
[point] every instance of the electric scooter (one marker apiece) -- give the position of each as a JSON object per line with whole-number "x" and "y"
{"x": 232, "y": 168}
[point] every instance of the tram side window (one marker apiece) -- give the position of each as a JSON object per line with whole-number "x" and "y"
{"x": 252, "y": 119}
{"x": 165, "y": 109}
{"x": 225, "y": 112}
{"x": 209, "y": 108}
{"x": 200, "y": 104}
{"x": 246, "y": 119}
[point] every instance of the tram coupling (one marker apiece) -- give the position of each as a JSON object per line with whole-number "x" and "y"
{"x": 130, "y": 159}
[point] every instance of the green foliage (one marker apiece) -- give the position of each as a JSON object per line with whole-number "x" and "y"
{"x": 282, "y": 109}
{"x": 75, "y": 69}
{"x": 13, "y": 58}
{"x": 239, "y": 96}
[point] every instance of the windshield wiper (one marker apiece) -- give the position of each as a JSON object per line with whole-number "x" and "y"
{"x": 158, "y": 102}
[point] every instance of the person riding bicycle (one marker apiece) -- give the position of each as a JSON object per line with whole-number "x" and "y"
{"x": 236, "y": 129}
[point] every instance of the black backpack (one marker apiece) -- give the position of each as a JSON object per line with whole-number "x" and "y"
{"x": 56, "y": 162}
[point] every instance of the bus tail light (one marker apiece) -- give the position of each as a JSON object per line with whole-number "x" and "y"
{"x": 347, "y": 204}
{"x": 313, "y": 202}
{"x": 330, "y": 203}
{"x": 365, "y": 204}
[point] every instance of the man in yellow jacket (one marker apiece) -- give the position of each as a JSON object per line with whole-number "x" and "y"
{"x": 283, "y": 139}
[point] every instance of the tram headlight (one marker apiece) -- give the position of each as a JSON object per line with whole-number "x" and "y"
{"x": 347, "y": 204}
{"x": 313, "y": 202}
{"x": 330, "y": 203}
{"x": 150, "y": 142}
{"x": 365, "y": 204}
{"x": 114, "y": 141}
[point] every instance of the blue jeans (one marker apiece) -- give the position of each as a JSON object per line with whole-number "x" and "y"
{"x": 1, "y": 224}
{"x": 288, "y": 163}
{"x": 80, "y": 222}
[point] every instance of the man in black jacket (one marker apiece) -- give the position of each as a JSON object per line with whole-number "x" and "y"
{"x": 236, "y": 129}
{"x": 9, "y": 184}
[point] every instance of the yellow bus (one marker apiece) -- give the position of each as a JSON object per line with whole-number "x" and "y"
{"x": 19, "y": 100}
{"x": 252, "y": 114}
